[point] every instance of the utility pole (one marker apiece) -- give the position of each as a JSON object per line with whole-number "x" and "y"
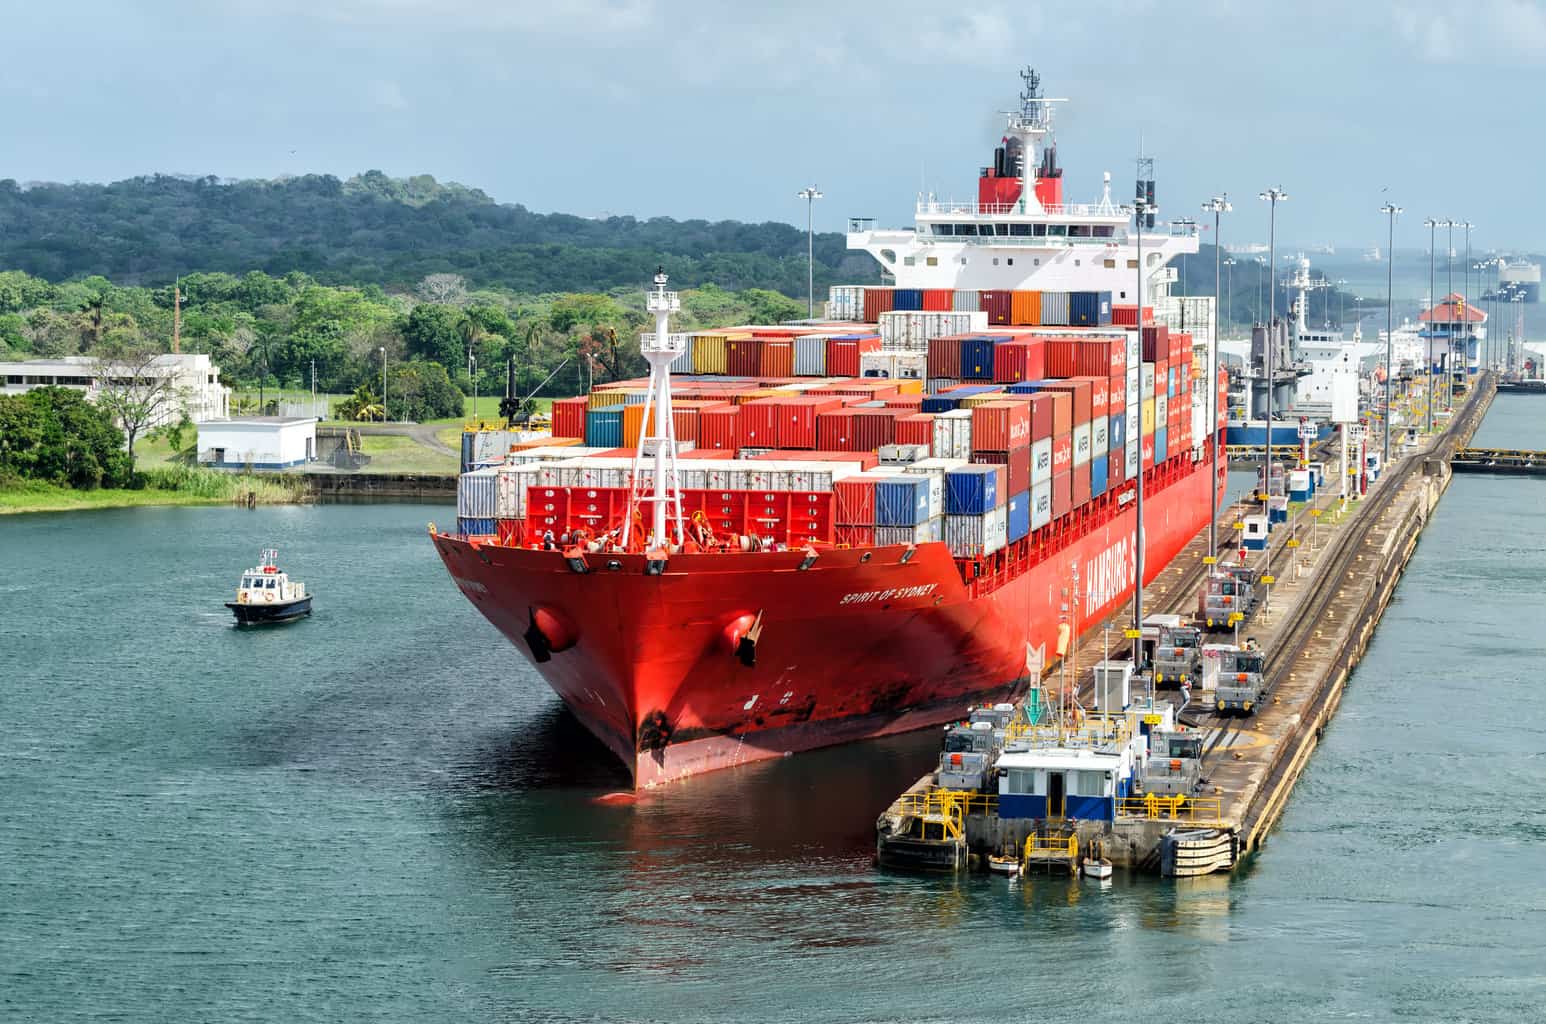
{"x": 382, "y": 350}
{"x": 1141, "y": 207}
{"x": 1390, "y": 210}
{"x": 1433, "y": 319}
{"x": 1273, "y": 196}
{"x": 177, "y": 316}
{"x": 1449, "y": 341}
{"x": 810, "y": 194}
{"x": 1465, "y": 305}
{"x": 1219, "y": 205}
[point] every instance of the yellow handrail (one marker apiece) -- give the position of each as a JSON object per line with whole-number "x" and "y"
{"x": 946, "y": 808}
{"x": 1179, "y": 807}
{"x": 1038, "y": 847}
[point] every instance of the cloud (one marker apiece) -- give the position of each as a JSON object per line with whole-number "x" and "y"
{"x": 1483, "y": 32}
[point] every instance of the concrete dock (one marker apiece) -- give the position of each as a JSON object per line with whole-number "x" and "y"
{"x": 1335, "y": 571}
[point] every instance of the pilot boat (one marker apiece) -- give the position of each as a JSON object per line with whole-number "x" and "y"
{"x": 265, "y": 594}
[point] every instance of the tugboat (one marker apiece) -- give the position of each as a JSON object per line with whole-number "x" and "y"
{"x": 267, "y": 595}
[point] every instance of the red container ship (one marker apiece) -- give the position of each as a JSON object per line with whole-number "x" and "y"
{"x": 697, "y": 614}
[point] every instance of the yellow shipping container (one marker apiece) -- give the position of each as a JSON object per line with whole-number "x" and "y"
{"x": 908, "y": 386}
{"x": 975, "y": 400}
{"x": 1148, "y": 416}
{"x": 608, "y": 399}
{"x": 708, "y": 351}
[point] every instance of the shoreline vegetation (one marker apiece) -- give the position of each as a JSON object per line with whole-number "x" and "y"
{"x": 171, "y": 486}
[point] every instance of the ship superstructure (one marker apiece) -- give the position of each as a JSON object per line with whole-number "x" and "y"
{"x": 803, "y": 534}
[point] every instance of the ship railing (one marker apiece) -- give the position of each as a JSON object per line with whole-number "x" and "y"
{"x": 935, "y": 207}
{"x": 1044, "y": 847}
{"x": 1189, "y": 810}
{"x": 1096, "y": 732}
{"x": 943, "y": 812}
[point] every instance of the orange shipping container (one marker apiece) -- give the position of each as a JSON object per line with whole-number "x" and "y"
{"x": 1025, "y": 308}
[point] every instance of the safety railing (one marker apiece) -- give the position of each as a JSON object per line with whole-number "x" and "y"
{"x": 1191, "y": 810}
{"x": 1043, "y": 847}
{"x": 1085, "y": 732}
{"x": 943, "y": 812}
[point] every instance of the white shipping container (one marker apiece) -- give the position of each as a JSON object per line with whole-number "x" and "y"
{"x": 953, "y": 434}
{"x": 967, "y": 536}
{"x": 810, "y": 355}
{"x": 490, "y": 445}
{"x": 892, "y": 364}
{"x": 477, "y": 493}
{"x": 966, "y": 300}
{"x": 1081, "y": 444}
{"x": 1041, "y": 461}
{"x": 845, "y": 302}
{"x": 935, "y": 470}
{"x": 1148, "y": 380}
{"x": 683, "y": 362}
{"x": 923, "y": 533}
{"x": 1132, "y": 392}
{"x": 510, "y": 490}
{"x": 902, "y": 454}
{"x": 1054, "y": 309}
{"x": 1041, "y": 504}
{"x": 910, "y": 331}
{"x": 1161, "y": 410}
{"x": 1100, "y": 436}
{"x": 1132, "y": 458}
{"x": 693, "y": 479}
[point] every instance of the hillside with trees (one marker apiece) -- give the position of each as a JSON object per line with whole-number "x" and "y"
{"x": 373, "y": 229}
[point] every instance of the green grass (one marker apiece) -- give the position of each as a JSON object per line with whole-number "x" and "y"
{"x": 163, "y": 486}
{"x": 395, "y": 453}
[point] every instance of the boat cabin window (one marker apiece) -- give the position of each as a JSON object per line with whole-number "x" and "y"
{"x": 246, "y": 582}
{"x": 1038, "y": 230}
{"x": 1248, "y": 663}
{"x": 271, "y": 582}
{"x": 1020, "y": 780}
{"x": 966, "y": 229}
{"x": 1104, "y": 231}
{"x": 1019, "y": 229}
{"x": 1057, "y": 230}
{"x": 1078, "y": 231}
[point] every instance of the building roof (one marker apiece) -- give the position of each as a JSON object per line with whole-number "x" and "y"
{"x": 74, "y": 366}
{"x": 1453, "y": 310}
{"x": 259, "y": 421}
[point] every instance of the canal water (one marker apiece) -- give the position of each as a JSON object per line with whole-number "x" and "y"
{"x": 380, "y": 814}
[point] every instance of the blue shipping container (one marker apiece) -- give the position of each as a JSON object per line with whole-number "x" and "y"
{"x": 1160, "y": 446}
{"x": 604, "y": 428}
{"x": 902, "y": 501}
{"x": 1103, "y": 317}
{"x": 1083, "y": 308}
{"x": 977, "y": 359}
{"x": 474, "y": 527}
{"x": 906, "y": 300}
{"x": 1116, "y": 431}
{"x": 1100, "y": 468}
{"x": 940, "y": 403}
{"x": 1020, "y": 515}
{"x": 971, "y": 490}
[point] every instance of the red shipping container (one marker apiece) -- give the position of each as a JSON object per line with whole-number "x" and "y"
{"x": 944, "y": 356}
{"x": 1156, "y": 343}
{"x": 1015, "y": 361}
{"x": 1062, "y": 412}
{"x": 1105, "y": 357}
{"x": 1081, "y": 485}
{"x": 797, "y": 419}
{"x": 916, "y": 429}
{"x": 1062, "y": 494}
{"x": 1062, "y": 453}
{"x": 835, "y": 430}
{"x": 938, "y": 300}
{"x": 854, "y": 501}
{"x": 1100, "y": 396}
{"x": 1127, "y": 316}
{"x": 1079, "y": 395}
{"x": 1017, "y": 468}
{"x": 720, "y": 428}
{"x": 908, "y": 403}
{"x": 1062, "y": 357}
{"x": 998, "y": 306}
{"x": 1116, "y": 467}
{"x": 777, "y": 358}
{"x": 743, "y": 357}
{"x": 876, "y": 302}
{"x": 1041, "y": 405}
{"x": 873, "y": 428}
{"x": 1147, "y": 444}
{"x": 1000, "y": 426}
{"x": 759, "y": 423}
{"x": 842, "y": 358}
{"x": 856, "y": 536}
{"x": 569, "y": 417}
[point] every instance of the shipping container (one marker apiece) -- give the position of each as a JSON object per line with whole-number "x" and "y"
{"x": 969, "y": 536}
{"x": 1062, "y": 453}
{"x": 1016, "y": 463}
{"x": 1080, "y": 480}
{"x": 934, "y": 471}
{"x": 1062, "y": 412}
{"x": 917, "y": 429}
{"x": 1082, "y": 449}
{"x": 923, "y": 533}
{"x": 1015, "y": 361}
{"x": 469, "y": 526}
{"x": 974, "y": 489}
{"x": 902, "y": 455}
{"x": 1156, "y": 343}
{"x": 1100, "y": 470}
{"x": 1041, "y": 504}
{"x": 1100, "y": 396}
{"x": 907, "y": 299}
{"x": 810, "y": 355}
{"x": 944, "y": 357}
{"x": 510, "y": 485}
{"x": 1080, "y": 398}
{"x": 1017, "y": 514}
{"x": 1025, "y": 308}
{"x": 845, "y": 302}
{"x": 1062, "y": 494}
{"x": 842, "y": 357}
{"x": 876, "y": 302}
{"x": 855, "y": 536}
{"x": 901, "y": 501}
{"x": 1054, "y": 309}
{"x": 569, "y": 417}
{"x": 1042, "y": 414}
{"x": 720, "y": 428}
{"x": 941, "y": 300}
{"x": 1101, "y": 357}
{"x": 1001, "y": 425}
{"x": 1100, "y": 435}
{"x": 1161, "y": 444}
{"x": 952, "y": 435}
{"x": 965, "y": 300}
{"x": 854, "y": 499}
{"x": 998, "y": 306}
{"x": 477, "y": 494}
{"x": 1041, "y": 461}
{"x": 604, "y": 427}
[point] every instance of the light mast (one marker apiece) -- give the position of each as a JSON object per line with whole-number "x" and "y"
{"x": 1029, "y": 124}
{"x": 658, "y": 438}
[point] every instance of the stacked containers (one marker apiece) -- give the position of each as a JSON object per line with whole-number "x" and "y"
{"x": 952, "y": 434}
{"x": 903, "y": 514}
{"x": 976, "y": 519}
{"x": 1089, "y": 309}
{"x": 569, "y": 417}
{"x": 1062, "y": 447}
{"x": 845, "y": 302}
{"x": 1100, "y": 432}
{"x": 1025, "y": 308}
{"x": 876, "y": 302}
{"x": 1080, "y": 403}
{"x": 1020, "y": 360}
{"x": 720, "y": 427}
{"x": 999, "y": 306}
{"x": 477, "y": 501}
{"x": 810, "y": 355}
{"x": 604, "y": 427}
{"x": 1054, "y": 309}
{"x": 1042, "y": 415}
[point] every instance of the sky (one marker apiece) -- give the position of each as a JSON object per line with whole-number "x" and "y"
{"x": 724, "y": 110}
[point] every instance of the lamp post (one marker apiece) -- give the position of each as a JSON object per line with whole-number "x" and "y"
{"x": 1449, "y": 333}
{"x": 1465, "y": 305}
{"x": 1339, "y": 283}
{"x": 1229, "y": 287}
{"x": 1433, "y": 314}
{"x": 1272, "y": 196}
{"x": 810, "y": 194}
{"x": 382, "y": 350}
{"x": 1389, "y": 210}
{"x": 1141, "y": 207}
{"x": 472, "y": 362}
{"x": 1218, "y": 205}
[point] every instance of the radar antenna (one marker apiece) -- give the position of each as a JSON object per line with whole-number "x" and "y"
{"x": 1029, "y": 125}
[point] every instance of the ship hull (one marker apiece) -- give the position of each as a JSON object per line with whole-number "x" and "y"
{"x": 862, "y": 643}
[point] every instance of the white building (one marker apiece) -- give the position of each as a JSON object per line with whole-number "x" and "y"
{"x": 195, "y": 380}
{"x": 257, "y": 442}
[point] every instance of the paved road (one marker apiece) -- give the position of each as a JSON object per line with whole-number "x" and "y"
{"x": 424, "y": 434}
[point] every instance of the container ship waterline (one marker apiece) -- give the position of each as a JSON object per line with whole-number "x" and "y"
{"x": 805, "y": 534}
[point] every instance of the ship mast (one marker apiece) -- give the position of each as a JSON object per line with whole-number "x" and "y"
{"x": 1030, "y": 124}
{"x": 658, "y": 442}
